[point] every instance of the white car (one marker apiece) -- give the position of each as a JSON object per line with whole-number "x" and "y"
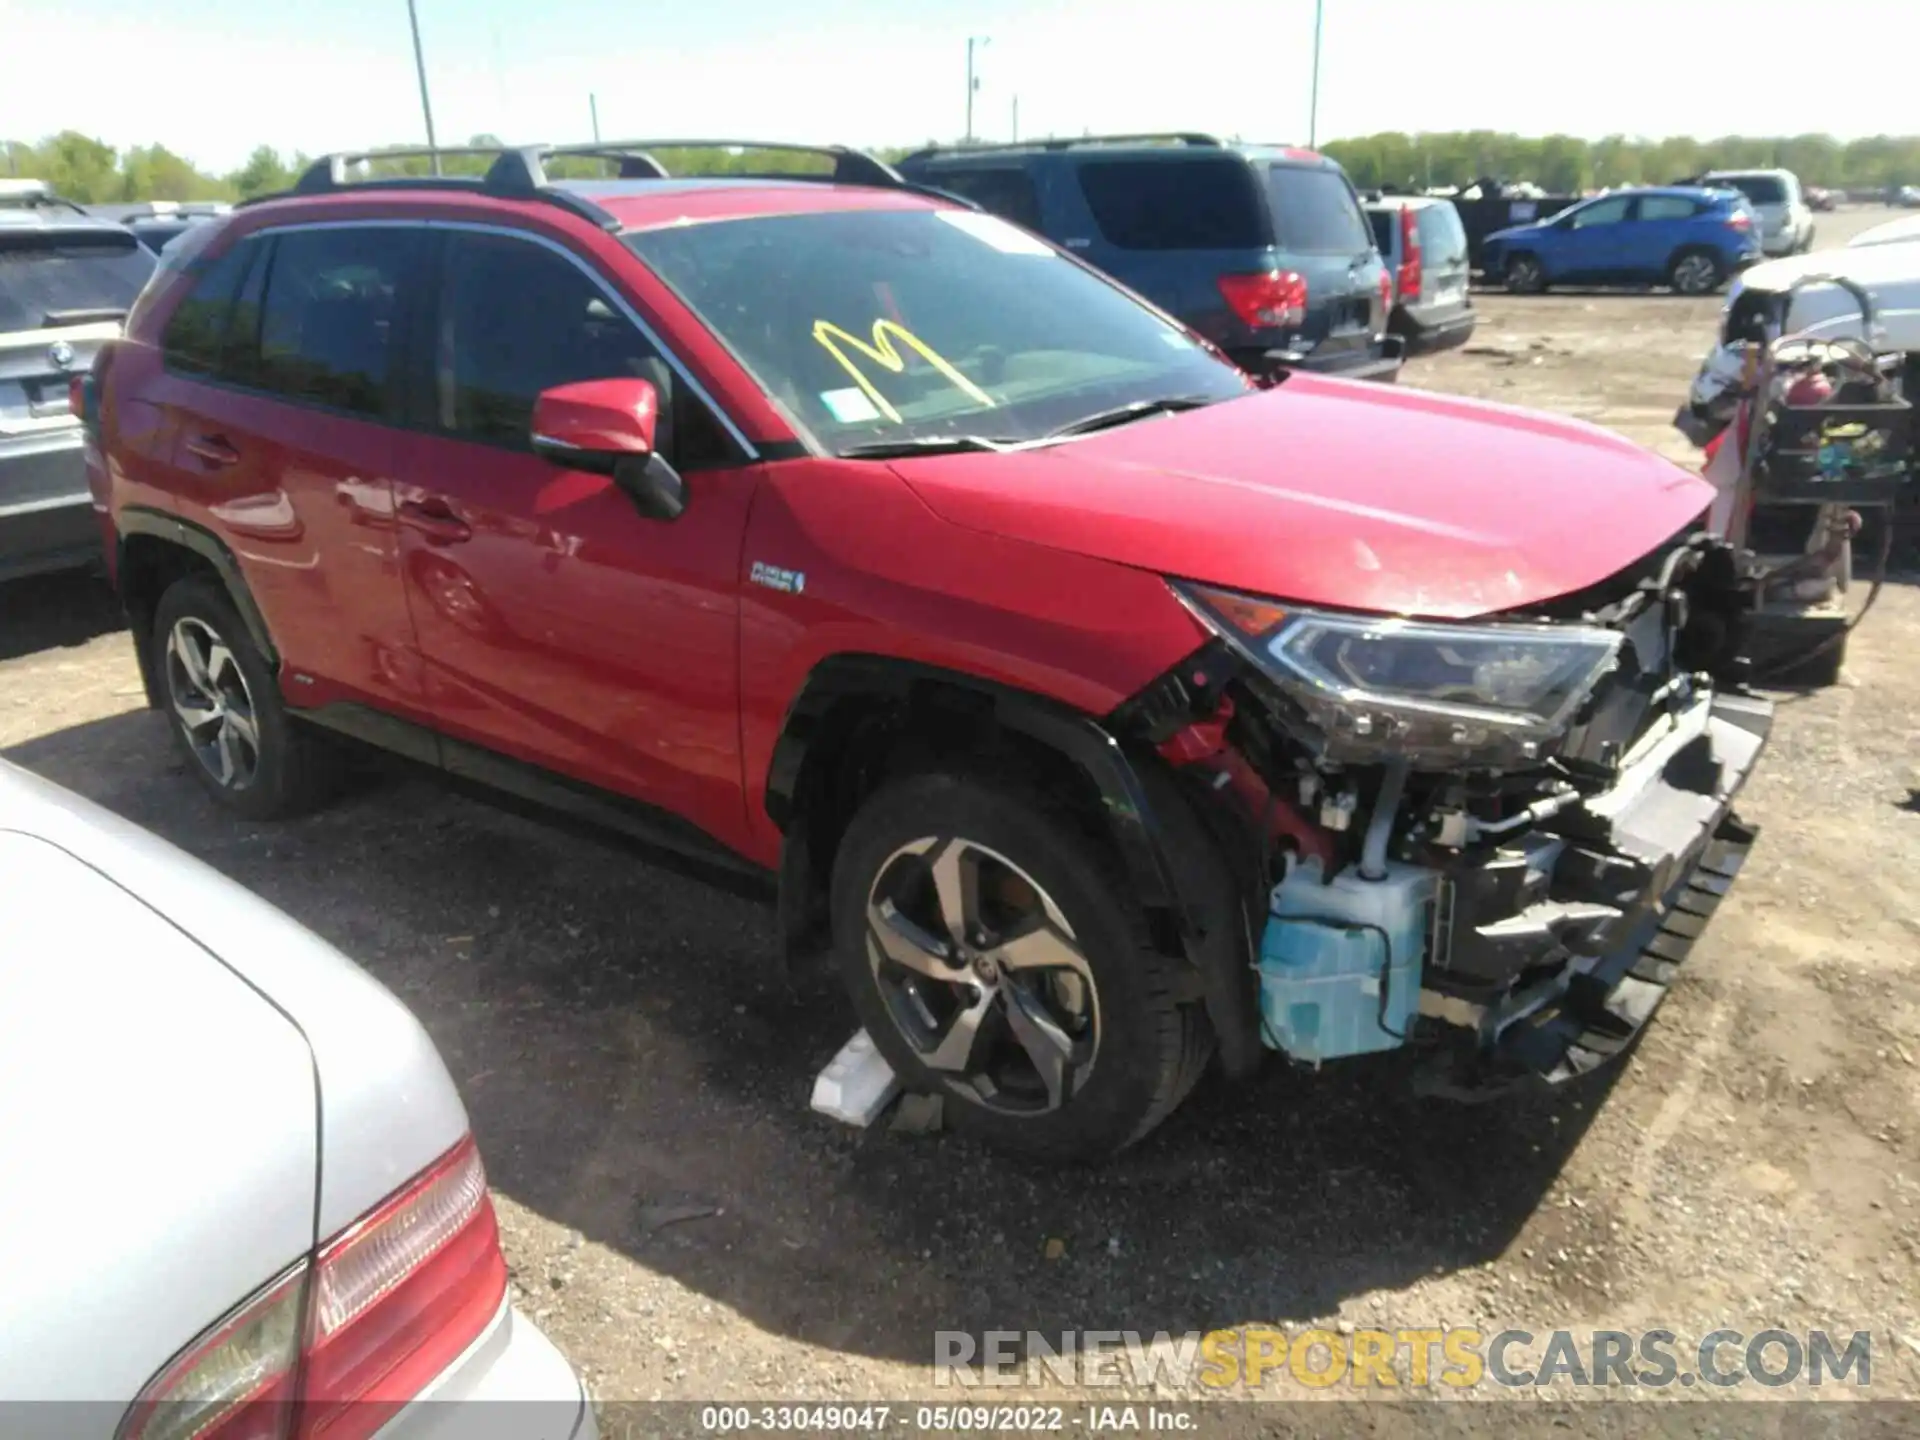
{"x": 1786, "y": 220}
{"x": 1892, "y": 232}
{"x": 236, "y": 1173}
{"x": 1890, "y": 274}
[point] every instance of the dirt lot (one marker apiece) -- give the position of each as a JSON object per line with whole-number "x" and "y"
{"x": 684, "y": 1227}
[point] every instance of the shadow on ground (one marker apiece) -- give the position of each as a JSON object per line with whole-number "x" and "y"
{"x": 628, "y": 1059}
{"x": 52, "y": 611}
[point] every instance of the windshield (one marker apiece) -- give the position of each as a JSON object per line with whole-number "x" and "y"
{"x": 48, "y": 273}
{"x": 887, "y": 326}
{"x": 1315, "y": 212}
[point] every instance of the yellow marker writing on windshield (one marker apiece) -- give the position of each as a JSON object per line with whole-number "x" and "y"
{"x": 883, "y": 353}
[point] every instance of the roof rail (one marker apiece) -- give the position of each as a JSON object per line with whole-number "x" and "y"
{"x": 638, "y": 162}
{"x": 520, "y": 172}
{"x": 331, "y": 174}
{"x": 1182, "y": 137}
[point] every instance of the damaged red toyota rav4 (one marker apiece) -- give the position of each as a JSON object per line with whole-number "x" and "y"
{"x": 1099, "y": 708}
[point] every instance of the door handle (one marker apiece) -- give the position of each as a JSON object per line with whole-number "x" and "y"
{"x": 214, "y": 449}
{"x": 435, "y": 520}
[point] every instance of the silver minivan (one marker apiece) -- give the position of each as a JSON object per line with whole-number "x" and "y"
{"x": 1425, "y": 247}
{"x": 1786, "y": 220}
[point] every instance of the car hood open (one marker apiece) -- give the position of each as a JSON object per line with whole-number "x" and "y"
{"x": 1340, "y": 493}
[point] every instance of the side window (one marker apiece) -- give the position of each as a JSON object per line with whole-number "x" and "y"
{"x": 1602, "y": 212}
{"x": 1667, "y": 207}
{"x": 1007, "y": 193}
{"x": 330, "y": 315}
{"x": 516, "y": 319}
{"x": 197, "y": 328}
{"x": 1176, "y": 204}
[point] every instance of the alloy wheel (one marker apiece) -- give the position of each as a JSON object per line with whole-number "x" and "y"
{"x": 210, "y": 698}
{"x": 1694, "y": 275}
{"x": 982, "y": 975}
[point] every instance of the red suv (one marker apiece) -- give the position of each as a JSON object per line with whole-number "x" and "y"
{"x": 1095, "y": 709}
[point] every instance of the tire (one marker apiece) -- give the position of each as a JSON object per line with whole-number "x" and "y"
{"x": 1126, "y": 1049}
{"x": 1524, "y": 275}
{"x": 1695, "y": 273}
{"x": 242, "y": 747}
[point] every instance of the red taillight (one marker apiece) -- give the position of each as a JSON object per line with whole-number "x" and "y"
{"x": 1409, "y": 277}
{"x": 397, "y": 1296}
{"x": 1740, "y": 220}
{"x": 1270, "y": 298}
{"x": 1386, "y": 296}
{"x": 391, "y": 1302}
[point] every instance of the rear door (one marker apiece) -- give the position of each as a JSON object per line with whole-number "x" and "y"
{"x": 1444, "y": 268}
{"x": 285, "y": 434}
{"x": 1169, "y": 226}
{"x": 1321, "y": 233}
{"x": 1658, "y": 226}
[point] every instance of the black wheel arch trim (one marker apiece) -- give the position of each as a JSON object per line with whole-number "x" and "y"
{"x": 1159, "y": 841}
{"x": 139, "y": 520}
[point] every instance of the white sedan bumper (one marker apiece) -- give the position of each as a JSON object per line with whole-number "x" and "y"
{"x": 510, "y": 1384}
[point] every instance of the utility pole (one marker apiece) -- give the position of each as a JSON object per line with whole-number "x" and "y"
{"x": 973, "y": 81}
{"x": 1313, "y": 112}
{"x": 1016, "y": 120}
{"x": 593, "y": 106}
{"x": 420, "y": 65}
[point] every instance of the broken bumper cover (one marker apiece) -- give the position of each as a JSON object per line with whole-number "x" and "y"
{"x": 1599, "y": 917}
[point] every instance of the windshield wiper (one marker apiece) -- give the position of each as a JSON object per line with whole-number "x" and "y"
{"x": 1133, "y": 410}
{"x": 80, "y": 317}
{"x": 921, "y": 445}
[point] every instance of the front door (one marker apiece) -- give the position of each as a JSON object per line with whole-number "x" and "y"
{"x": 1597, "y": 241}
{"x": 559, "y": 627}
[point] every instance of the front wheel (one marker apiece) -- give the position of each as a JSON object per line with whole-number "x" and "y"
{"x": 1694, "y": 272}
{"x": 997, "y": 959}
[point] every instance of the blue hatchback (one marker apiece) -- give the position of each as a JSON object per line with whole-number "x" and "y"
{"x": 1691, "y": 239}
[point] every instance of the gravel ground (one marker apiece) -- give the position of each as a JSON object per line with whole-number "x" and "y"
{"x": 684, "y": 1228}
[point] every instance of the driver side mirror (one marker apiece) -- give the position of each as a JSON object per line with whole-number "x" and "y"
{"x": 607, "y": 427}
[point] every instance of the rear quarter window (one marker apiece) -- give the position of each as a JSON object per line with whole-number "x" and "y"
{"x": 1443, "y": 239}
{"x": 1315, "y": 211}
{"x": 1007, "y": 193}
{"x": 1184, "y": 204}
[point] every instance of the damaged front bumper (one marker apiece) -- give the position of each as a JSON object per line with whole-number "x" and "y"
{"x": 1576, "y": 932}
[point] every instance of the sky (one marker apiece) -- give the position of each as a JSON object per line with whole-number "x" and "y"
{"x": 210, "y": 79}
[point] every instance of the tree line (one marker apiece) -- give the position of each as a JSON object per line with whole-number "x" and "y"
{"x": 1565, "y": 164}
{"x": 93, "y": 172}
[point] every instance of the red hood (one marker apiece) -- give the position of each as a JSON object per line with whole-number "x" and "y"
{"x": 1329, "y": 492}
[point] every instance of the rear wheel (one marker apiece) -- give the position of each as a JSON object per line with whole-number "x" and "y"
{"x": 224, "y": 707}
{"x": 1695, "y": 272}
{"x": 1525, "y": 275}
{"x": 998, "y": 961}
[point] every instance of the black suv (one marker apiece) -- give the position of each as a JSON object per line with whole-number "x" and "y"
{"x": 1262, "y": 249}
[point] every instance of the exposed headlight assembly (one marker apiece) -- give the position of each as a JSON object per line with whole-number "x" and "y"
{"x": 1432, "y": 692}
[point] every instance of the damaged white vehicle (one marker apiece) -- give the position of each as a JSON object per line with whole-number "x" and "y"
{"x": 1808, "y": 379}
